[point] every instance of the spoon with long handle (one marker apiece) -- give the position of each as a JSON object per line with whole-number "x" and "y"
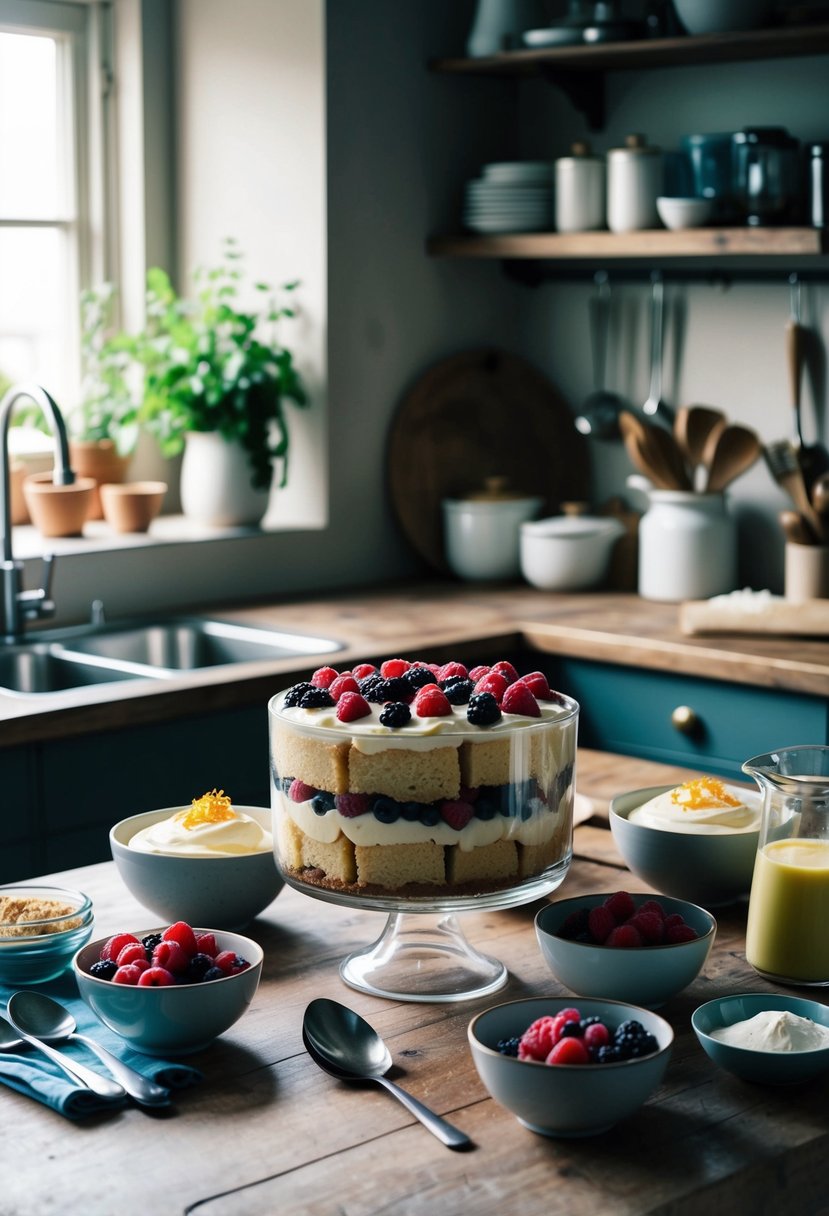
{"x": 75, "y": 1071}
{"x": 39, "y": 1015}
{"x": 344, "y": 1045}
{"x": 730, "y": 451}
{"x": 692, "y": 426}
{"x": 654, "y": 404}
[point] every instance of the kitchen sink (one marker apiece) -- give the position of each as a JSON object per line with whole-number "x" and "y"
{"x": 159, "y": 649}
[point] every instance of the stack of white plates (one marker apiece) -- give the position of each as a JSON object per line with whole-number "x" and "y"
{"x": 510, "y": 196}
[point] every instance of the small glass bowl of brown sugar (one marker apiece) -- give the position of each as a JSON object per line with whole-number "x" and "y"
{"x": 41, "y": 928}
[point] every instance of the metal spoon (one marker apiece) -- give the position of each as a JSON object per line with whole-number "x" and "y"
{"x": 76, "y": 1072}
{"x": 599, "y": 415}
{"x": 654, "y": 404}
{"x": 344, "y": 1045}
{"x": 41, "y": 1016}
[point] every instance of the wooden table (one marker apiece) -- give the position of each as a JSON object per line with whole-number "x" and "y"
{"x": 269, "y": 1133}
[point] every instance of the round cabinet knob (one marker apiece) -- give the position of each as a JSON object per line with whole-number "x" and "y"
{"x": 684, "y": 719}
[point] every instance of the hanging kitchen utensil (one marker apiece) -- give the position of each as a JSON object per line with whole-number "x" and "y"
{"x": 599, "y": 415}
{"x": 784, "y": 466}
{"x": 812, "y": 458}
{"x": 654, "y": 404}
{"x": 730, "y": 451}
{"x": 692, "y": 426}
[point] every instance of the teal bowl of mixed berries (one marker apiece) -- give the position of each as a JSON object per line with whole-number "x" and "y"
{"x": 567, "y": 1068}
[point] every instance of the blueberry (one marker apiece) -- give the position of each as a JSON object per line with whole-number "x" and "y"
{"x": 430, "y": 816}
{"x": 322, "y": 802}
{"x": 386, "y": 810}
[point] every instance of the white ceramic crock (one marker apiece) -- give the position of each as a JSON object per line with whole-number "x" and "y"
{"x": 687, "y": 547}
{"x": 482, "y": 536}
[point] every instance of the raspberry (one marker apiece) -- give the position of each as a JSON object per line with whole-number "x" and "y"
{"x": 675, "y": 918}
{"x": 600, "y": 924}
{"x": 128, "y": 975}
{"x": 654, "y": 906}
{"x": 680, "y": 933}
{"x": 206, "y": 944}
{"x": 352, "y": 805}
{"x": 595, "y": 1036}
{"x": 575, "y": 924}
{"x": 562, "y": 1019}
{"x": 156, "y": 977}
{"x": 537, "y": 1041}
{"x": 134, "y": 952}
{"x": 506, "y": 670}
{"x": 430, "y": 702}
{"x": 300, "y": 792}
{"x": 483, "y": 709}
{"x": 343, "y": 683}
{"x": 394, "y": 667}
{"x": 324, "y": 677}
{"x": 478, "y": 673}
{"x": 182, "y": 933}
{"x": 624, "y": 936}
{"x": 448, "y": 670}
{"x": 494, "y": 683}
{"x": 115, "y": 945}
{"x": 649, "y": 926}
{"x": 538, "y": 685}
{"x": 621, "y": 906}
{"x": 351, "y": 706}
{"x": 170, "y": 956}
{"x": 362, "y": 670}
{"x": 519, "y": 700}
{"x": 225, "y": 960}
{"x": 569, "y": 1051}
{"x": 456, "y": 814}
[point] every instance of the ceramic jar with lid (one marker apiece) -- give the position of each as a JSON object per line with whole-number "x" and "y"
{"x": 687, "y": 547}
{"x": 580, "y": 190}
{"x": 634, "y": 182}
{"x": 482, "y": 531}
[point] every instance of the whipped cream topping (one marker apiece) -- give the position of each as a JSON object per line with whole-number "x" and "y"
{"x": 230, "y": 837}
{"x": 775, "y": 1030}
{"x": 704, "y": 805}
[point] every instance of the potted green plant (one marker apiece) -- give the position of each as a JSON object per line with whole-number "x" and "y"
{"x": 215, "y": 387}
{"x": 103, "y": 426}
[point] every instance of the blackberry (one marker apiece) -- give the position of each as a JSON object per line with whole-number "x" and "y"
{"x": 571, "y": 1030}
{"x": 508, "y": 1047}
{"x": 293, "y": 694}
{"x": 585, "y": 1022}
{"x": 418, "y": 677}
{"x": 608, "y": 1055}
{"x": 150, "y": 942}
{"x": 386, "y": 810}
{"x": 393, "y": 689}
{"x": 458, "y": 690}
{"x": 483, "y": 709}
{"x": 396, "y": 714}
{"x": 103, "y": 970}
{"x": 368, "y": 683}
{"x": 631, "y": 1040}
{"x": 198, "y": 967}
{"x": 316, "y": 698}
{"x": 322, "y": 802}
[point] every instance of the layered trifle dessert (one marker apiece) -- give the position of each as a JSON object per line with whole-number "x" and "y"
{"x": 416, "y": 779}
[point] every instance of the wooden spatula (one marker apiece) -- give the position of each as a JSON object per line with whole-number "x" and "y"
{"x": 692, "y": 426}
{"x": 728, "y": 452}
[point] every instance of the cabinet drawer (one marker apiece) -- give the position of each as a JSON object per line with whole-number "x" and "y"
{"x": 625, "y": 709}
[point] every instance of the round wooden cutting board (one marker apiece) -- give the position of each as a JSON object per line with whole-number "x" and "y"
{"x": 479, "y": 414}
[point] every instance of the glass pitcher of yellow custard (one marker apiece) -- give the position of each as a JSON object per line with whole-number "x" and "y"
{"x": 787, "y": 937}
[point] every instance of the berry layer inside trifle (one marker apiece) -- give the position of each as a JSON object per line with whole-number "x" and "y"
{"x": 418, "y": 779}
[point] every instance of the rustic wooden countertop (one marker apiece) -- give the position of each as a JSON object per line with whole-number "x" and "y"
{"x": 437, "y": 621}
{"x": 268, "y": 1132}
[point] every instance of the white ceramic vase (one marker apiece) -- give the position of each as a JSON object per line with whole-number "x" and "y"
{"x": 687, "y": 547}
{"x": 215, "y": 482}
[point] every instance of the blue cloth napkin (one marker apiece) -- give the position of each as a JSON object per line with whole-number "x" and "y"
{"x": 31, "y": 1073}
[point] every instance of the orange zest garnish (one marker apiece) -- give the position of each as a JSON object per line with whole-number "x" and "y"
{"x": 210, "y": 808}
{"x": 702, "y": 793}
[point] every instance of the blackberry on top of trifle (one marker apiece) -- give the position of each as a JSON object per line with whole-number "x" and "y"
{"x": 418, "y": 778}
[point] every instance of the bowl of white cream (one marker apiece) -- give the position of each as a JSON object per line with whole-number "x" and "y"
{"x": 765, "y": 1037}
{"x": 211, "y": 863}
{"x": 696, "y": 841}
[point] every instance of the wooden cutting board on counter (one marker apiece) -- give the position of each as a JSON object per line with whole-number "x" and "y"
{"x": 479, "y": 414}
{"x": 759, "y": 614}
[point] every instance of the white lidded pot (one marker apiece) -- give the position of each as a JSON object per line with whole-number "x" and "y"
{"x": 687, "y": 547}
{"x": 481, "y": 532}
{"x": 568, "y": 552}
{"x": 634, "y": 182}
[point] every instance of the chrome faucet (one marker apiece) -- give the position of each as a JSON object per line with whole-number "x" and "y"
{"x": 20, "y": 606}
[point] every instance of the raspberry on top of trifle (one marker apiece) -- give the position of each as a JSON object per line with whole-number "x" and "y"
{"x": 417, "y": 774}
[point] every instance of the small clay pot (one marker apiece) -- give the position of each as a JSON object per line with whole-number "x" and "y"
{"x": 132, "y": 505}
{"x": 99, "y": 459}
{"x": 58, "y": 510}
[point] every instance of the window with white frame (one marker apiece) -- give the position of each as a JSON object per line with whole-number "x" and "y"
{"x": 46, "y": 205}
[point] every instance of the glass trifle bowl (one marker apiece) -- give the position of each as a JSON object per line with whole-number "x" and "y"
{"x": 423, "y": 791}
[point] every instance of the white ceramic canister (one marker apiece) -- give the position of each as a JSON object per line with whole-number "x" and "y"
{"x": 581, "y": 190}
{"x": 482, "y": 532}
{"x": 687, "y": 547}
{"x": 634, "y": 182}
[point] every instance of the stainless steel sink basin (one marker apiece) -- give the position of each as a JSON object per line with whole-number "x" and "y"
{"x": 189, "y": 643}
{"x": 157, "y": 649}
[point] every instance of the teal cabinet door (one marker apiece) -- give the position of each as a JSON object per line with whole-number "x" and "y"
{"x": 629, "y": 710}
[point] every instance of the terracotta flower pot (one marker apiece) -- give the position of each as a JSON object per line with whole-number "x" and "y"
{"x": 58, "y": 510}
{"x": 98, "y": 459}
{"x": 132, "y": 505}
